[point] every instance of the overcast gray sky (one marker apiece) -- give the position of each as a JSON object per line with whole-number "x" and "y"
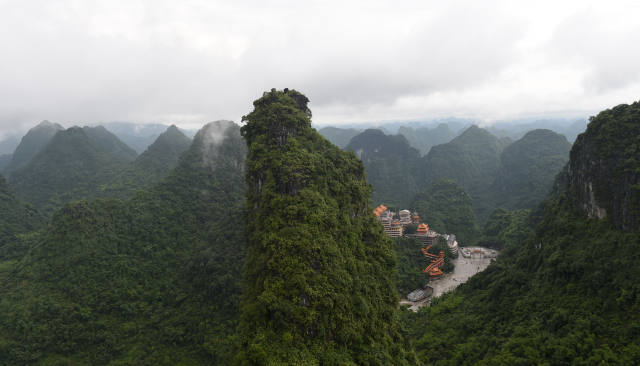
{"x": 189, "y": 62}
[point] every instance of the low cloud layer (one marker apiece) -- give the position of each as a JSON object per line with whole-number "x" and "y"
{"x": 189, "y": 62}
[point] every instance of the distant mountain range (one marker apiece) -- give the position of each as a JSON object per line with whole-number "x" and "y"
{"x": 495, "y": 172}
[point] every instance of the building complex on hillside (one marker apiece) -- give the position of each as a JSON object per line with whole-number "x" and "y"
{"x": 395, "y": 227}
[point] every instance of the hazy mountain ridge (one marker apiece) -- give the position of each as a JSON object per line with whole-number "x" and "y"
{"x": 150, "y": 167}
{"x": 34, "y": 141}
{"x": 339, "y": 136}
{"x": 516, "y": 129}
{"x": 72, "y": 166}
{"x": 424, "y": 138}
{"x": 472, "y": 160}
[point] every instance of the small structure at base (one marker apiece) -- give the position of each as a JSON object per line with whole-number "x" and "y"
{"x": 418, "y": 295}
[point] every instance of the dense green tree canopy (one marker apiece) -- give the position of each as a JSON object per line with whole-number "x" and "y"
{"x": 472, "y": 160}
{"x": 319, "y": 274}
{"x": 447, "y": 208}
{"x": 528, "y": 168}
{"x": 151, "y": 281}
{"x": 16, "y": 218}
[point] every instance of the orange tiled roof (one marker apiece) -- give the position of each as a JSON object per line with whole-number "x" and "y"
{"x": 379, "y": 210}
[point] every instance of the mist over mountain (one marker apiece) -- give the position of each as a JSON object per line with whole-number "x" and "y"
{"x": 5, "y": 160}
{"x": 139, "y": 136}
{"x": 339, "y": 136}
{"x": 424, "y": 138}
{"x": 32, "y": 143}
{"x": 8, "y": 144}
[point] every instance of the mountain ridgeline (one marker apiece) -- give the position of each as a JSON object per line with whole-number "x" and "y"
{"x": 319, "y": 271}
{"x": 32, "y": 143}
{"x": 150, "y": 167}
{"x": 568, "y": 292}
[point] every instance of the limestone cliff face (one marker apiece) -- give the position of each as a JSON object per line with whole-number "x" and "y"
{"x": 319, "y": 272}
{"x": 604, "y": 168}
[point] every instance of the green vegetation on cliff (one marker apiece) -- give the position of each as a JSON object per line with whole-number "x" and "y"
{"x": 319, "y": 274}
{"x": 505, "y": 229}
{"x": 569, "y": 293}
{"x": 410, "y": 262}
{"x": 604, "y": 171}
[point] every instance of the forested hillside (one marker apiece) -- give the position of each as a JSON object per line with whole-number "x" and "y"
{"x": 472, "y": 160}
{"x": 448, "y": 208}
{"x": 72, "y": 166}
{"x": 390, "y": 164}
{"x": 528, "y": 168}
{"x": 153, "y": 165}
{"x": 153, "y": 280}
{"x": 16, "y": 218}
{"x": 319, "y": 274}
{"x": 568, "y": 294}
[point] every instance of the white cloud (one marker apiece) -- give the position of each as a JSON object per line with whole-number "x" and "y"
{"x": 195, "y": 61}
